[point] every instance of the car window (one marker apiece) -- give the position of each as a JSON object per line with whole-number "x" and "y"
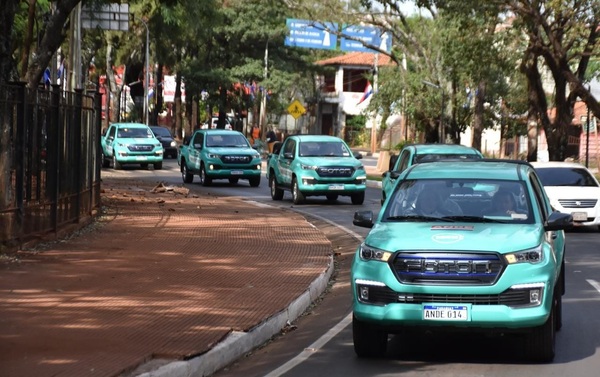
{"x": 542, "y": 202}
{"x": 481, "y": 200}
{"x": 289, "y": 147}
{"x": 431, "y": 157}
{"x": 404, "y": 160}
{"x": 198, "y": 140}
{"x": 129, "y": 132}
{"x": 570, "y": 176}
{"x": 232, "y": 140}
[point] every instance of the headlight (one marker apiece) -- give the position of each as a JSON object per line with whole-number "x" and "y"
{"x": 535, "y": 255}
{"x": 308, "y": 167}
{"x": 359, "y": 167}
{"x": 213, "y": 155}
{"x": 173, "y": 144}
{"x": 256, "y": 155}
{"x": 122, "y": 145}
{"x": 370, "y": 253}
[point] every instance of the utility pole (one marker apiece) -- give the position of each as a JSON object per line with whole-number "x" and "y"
{"x": 147, "y": 72}
{"x": 374, "y": 118}
{"x": 587, "y": 133}
{"x": 263, "y": 100}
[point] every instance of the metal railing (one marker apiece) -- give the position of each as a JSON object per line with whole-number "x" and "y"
{"x": 49, "y": 161}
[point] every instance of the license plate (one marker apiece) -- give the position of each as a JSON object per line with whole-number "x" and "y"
{"x": 336, "y": 187}
{"x": 141, "y": 158}
{"x": 445, "y": 313}
{"x": 579, "y": 216}
{"x": 237, "y": 172}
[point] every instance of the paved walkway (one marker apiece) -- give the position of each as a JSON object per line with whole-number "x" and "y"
{"x": 162, "y": 276}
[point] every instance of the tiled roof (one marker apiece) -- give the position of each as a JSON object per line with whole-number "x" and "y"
{"x": 366, "y": 59}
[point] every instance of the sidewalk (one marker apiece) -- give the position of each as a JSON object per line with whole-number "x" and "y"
{"x": 164, "y": 281}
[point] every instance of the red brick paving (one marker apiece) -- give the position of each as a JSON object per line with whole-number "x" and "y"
{"x": 159, "y": 275}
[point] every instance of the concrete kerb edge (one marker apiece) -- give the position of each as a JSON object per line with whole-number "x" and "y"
{"x": 238, "y": 343}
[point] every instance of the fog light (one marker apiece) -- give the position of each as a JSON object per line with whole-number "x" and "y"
{"x": 211, "y": 167}
{"x": 535, "y": 296}
{"x": 364, "y": 293}
{"x": 258, "y": 167}
{"x": 308, "y": 181}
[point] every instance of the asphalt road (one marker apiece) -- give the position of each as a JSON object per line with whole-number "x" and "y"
{"x": 320, "y": 343}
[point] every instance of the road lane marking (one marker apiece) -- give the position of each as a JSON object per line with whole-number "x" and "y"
{"x": 594, "y": 284}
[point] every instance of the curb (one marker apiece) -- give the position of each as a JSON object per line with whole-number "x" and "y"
{"x": 237, "y": 344}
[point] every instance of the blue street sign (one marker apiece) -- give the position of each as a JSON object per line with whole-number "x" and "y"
{"x": 311, "y": 34}
{"x": 359, "y": 36}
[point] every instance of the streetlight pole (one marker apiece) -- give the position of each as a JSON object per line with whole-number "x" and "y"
{"x": 587, "y": 133}
{"x": 441, "y": 124}
{"x": 147, "y": 74}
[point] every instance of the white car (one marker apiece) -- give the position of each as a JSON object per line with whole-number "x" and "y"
{"x": 572, "y": 188}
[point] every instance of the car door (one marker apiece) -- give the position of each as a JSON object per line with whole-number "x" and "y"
{"x": 195, "y": 151}
{"x": 108, "y": 141}
{"x": 286, "y": 157}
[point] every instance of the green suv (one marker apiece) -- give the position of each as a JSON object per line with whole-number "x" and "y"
{"x": 131, "y": 143}
{"x": 419, "y": 153}
{"x": 461, "y": 246}
{"x": 316, "y": 165}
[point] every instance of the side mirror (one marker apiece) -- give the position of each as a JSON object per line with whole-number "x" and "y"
{"x": 358, "y": 155}
{"x": 363, "y": 219}
{"x": 559, "y": 221}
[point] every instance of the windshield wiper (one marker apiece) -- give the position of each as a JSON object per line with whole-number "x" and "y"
{"x": 475, "y": 219}
{"x": 419, "y": 218}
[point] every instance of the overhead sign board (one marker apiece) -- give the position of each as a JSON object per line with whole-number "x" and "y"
{"x": 296, "y": 109}
{"x": 107, "y": 17}
{"x": 358, "y": 38}
{"x": 311, "y": 34}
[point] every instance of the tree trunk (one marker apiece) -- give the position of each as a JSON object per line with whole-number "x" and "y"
{"x": 28, "y": 38}
{"x": 7, "y": 16}
{"x": 478, "y": 116}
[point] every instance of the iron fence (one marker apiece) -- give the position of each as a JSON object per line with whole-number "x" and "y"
{"x": 49, "y": 161}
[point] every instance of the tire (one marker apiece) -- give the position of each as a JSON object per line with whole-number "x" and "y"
{"x": 105, "y": 161}
{"x": 158, "y": 165}
{"x": 368, "y": 341}
{"x": 276, "y": 192}
{"x": 233, "y": 181}
{"x": 540, "y": 343}
{"x": 332, "y": 197}
{"x": 297, "y": 195}
{"x": 254, "y": 181}
{"x": 116, "y": 164}
{"x": 204, "y": 180}
{"x": 185, "y": 173}
{"x": 358, "y": 198}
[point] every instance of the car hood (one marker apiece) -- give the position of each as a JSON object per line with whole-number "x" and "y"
{"x": 572, "y": 192}
{"x": 230, "y": 150}
{"x": 502, "y": 238}
{"x": 329, "y": 161}
{"x": 137, "y": 140}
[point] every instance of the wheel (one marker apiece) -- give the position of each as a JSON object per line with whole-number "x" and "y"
{"x": 358, "y": 198}
{"x": 297, "y": 196}
{"x": 540, "y": 343}
{"x": 144, "y": 166}
{"x": 204, "y": 180}
{"x": 368, "y": 341}
{"x": 116, "y": 164}
{"x": 105, "y": 161}
{"x": 185, "y": 173}
{"x": 332, "y": 197}
{"x": 158, "y": 165}
{"x": 276, "y": 192}
{"x": 254, "y": 181}
{"x": 233, "y": 181}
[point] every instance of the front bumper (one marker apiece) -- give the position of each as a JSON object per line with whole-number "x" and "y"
{"x": 311, "y": 185}
{"x": 217, "y": 170}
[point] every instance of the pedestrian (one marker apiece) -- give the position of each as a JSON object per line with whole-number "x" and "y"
{"x": 271, "y": 139}
{"x": 254, "y": 134}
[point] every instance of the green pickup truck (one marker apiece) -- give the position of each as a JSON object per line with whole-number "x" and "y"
{"x": 130, "y": 144}
{"x": 219, "y": 154}
{"x": 316, "y": 165}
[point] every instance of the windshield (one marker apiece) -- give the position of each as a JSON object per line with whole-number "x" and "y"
{"x": 323, "y": 149}
{"x": 233, "y": 141}
{"x": 161, "y": 131}
{"x": 135, "y": 133}
{"x": 453, "y": 200}
{"x": 566, "y": 177}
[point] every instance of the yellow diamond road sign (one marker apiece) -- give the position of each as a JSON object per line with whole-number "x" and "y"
{"x": 296, "y": 109}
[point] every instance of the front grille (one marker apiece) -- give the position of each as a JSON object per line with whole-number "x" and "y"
{"x": 510, "y": 297}
{"x": 236, "y": 159}
{"x": 335, "y": 171}
{"x": 453, "y": 268}
{"x": 578, "y": 203}
{"x": 140, "y": 147}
